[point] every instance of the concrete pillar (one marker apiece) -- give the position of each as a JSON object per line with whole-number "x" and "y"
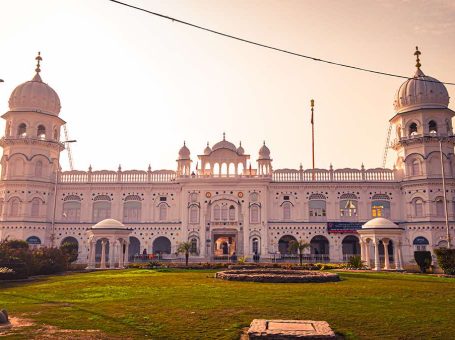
{"x": 120, "y": 254}
{"x": 386, "y": 254}
{"x": 111, "y": 254}
{"x": 362, "y": 250}
{"x": 91, "y": 253}
{"x": 125, "y": 261}
{"x": 377, "y": 262}
{"x": 103, "y": 255}
{"x": 367, "y": 254}
{"x": 399, "y": 265}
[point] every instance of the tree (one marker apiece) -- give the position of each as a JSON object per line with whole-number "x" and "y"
{"x": 299, "y": 246}
{"x": 71, "y": 251}
{"x": 423, "y": 260}
{"x": 185, "y": 248}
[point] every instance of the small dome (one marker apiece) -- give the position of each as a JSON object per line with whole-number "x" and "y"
{"x": 184, "y": 152}
{"x": 380, "y": 223}
{"x": 264, "y": 152}
{"x": 34, "y": 95}
{"x": 240, "y": 149}
{"x": 109, "y": 223}
{"x": 224, "y": 144}
{"x": 421, "y": 92}
{"x": 207, "y": 150}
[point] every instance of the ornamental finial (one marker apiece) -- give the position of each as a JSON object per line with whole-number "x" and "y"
{"x": 312, "y": 103}
{"x": 224, "y": 135}
{"x": 38, "y": 59}
{"x": 417, "y": 53}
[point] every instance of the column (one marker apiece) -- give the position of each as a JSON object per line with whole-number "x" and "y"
{"x": 111, "y": 254}
{"x": 399, "y": 265}
{"x": 362, "y": 250}
{"x": 120, "y": 254}
{"x": 91, "y": 254}
{"x": 377, "y": 262}
{"x": 103, "y": 254}
{"x": 125, "y": 261}
{"x": 367, "y": 254}
{"x": 386, "y": 254}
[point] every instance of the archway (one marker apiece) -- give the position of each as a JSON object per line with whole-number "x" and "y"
{"x": 161, "y": 245}
{"x": 350, "y": 246}
{"x": 420, "y": 243}
{"x": 135, "y": 247}
{"x": 33, "y": 241}
{"x": 319, "y": 245}
{"x": 284, "y": 245}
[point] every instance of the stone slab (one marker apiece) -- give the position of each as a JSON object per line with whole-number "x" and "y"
{"x": 289, "y": 329}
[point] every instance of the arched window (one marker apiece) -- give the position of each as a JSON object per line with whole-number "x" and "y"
{"x": 193, "y": 249}
{"x": 224, "y": 212}
{"x": 255, "y": 245}
{"x": 413, "y": 129}
{"x": 420, "y": 243}
{"x": 41, "y": 132}
{"x": 286, "y": 211}
{"x": 231, "y": 213}
{"x": 416, "y": 167}
{"x": 22, "y": 130}
{"x": 418, "y": 207}
{"x": 101, "y": 208}
{"x": 317, "y": 206}
{"x": 380, "y": 206}
{"x": 216, "y": 213}
{"x": 14, "y": 209}
{"x": 439, "y": 207}
{"x": 254, "y": 214}
{"x": 194, "y": 214}
{"x": 132, "y": 210}
{"x": 72, "y": 209}
{"x": 432, "y": 127}
{"x": 35, "y": 207}
{"x": 38, "y": 169}
{"x": 163, "y": 212}
{"x": 348, "y": 205}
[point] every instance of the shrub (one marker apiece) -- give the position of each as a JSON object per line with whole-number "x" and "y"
{"x": 446, "y": 260}
{"x": 48, "y": 261}
{"x": 13, "y": 268}
{"x": 241, "y": 260}
{"x": 355, "y": 262}
{"x": 153, "y": 264}
{"x": 70, "y": 250}
{"x": 423, "y": 260}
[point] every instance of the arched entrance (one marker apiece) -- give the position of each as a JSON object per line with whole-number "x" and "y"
{"x": 350, "y": 246}
{"x": 319, "y": 248}
{"x": 161, "y": 245}
{"x": 134, "y": 248}
{"x": 284, "y": 245}
{"x": 225, "y": 245}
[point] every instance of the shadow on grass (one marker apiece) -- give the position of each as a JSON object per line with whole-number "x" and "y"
{"x": 66, "y": 304}
{"x": 344, "y": 276}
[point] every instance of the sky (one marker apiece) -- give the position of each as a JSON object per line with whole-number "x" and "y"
{"x": 134, "y": 86}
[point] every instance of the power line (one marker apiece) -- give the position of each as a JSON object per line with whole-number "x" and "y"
{"x": 272, "y": 47}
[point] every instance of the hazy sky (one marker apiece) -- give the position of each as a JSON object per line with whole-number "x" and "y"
{"x": 133, "y": 86}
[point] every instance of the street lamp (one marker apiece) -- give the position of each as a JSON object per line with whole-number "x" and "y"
{"x": 54, "y": 209}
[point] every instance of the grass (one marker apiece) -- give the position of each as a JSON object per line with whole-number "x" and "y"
{"x": 193, "y": 305}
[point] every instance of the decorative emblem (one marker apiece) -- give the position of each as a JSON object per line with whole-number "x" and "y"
{"x": 240, "y": 194}
{"x": 208, "y": 194}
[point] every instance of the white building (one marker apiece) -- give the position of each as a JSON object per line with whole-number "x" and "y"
{"x": 233, "y": 203}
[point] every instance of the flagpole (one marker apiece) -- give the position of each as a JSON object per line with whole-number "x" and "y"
{"x": 312, "y": 135}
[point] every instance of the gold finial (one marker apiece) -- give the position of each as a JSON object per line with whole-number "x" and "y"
{"x": 417, "y": 53}
{"x": 312, "y": 103}
{"x": 38, "y": 59}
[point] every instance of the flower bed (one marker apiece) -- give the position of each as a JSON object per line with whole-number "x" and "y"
{"x": 277, "y": 276}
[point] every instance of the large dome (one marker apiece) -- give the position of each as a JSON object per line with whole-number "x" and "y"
{"x": 224, "y": 144}
{"x": 34, "y": 95}
{"x": 109, "y": 223}
{"x": 380, "y": 223}
{"x": 421, "y": 92}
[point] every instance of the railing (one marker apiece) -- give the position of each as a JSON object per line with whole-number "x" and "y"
{"x": 338, "y": 175}
{"x": 106, "y": 176}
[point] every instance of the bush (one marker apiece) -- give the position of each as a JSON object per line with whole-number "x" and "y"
{"x": 355, "y": 262}
{"x": 153, "y": 264}
{"x": 48, "y": 261}
{"x": 13, "y": 268}
{"x": 423, "y": 260}
{"x": 446, "y": 260}
{"x": 70, "y": 250}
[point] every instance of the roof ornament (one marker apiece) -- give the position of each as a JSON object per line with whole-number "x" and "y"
{"x": 417, "y": 53}
{"x": 224, "y": 135}
{"x": 38, "y": 60}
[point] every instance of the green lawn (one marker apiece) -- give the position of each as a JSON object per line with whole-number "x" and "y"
{"x": 194, "y": 305}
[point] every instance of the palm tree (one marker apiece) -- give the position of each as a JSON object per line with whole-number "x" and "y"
{"x": 185, "y": 248}
{"x": 299, "y": 246}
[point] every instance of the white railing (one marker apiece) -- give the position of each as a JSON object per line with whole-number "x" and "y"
{"x": 338, "y": 175}
{"x": 107, "y": 176}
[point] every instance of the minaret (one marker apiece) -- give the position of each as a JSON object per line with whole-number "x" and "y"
{"x": 264, "y": 161}
{"x": 31, "y": 151}
{"x": 184, "y": 162}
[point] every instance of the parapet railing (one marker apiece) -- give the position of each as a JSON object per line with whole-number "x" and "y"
{"x": 338, "y": 175}
{"x": 107, "y": 176}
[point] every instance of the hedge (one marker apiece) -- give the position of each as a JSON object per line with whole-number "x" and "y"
{"x": 446, "y": 260}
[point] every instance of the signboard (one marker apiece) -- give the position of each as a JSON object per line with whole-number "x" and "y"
{"x": 33, "y": 240}
{"x": 344, "y": 227}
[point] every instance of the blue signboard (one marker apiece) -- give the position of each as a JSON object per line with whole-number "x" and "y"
{"x": 344, "y": 227}
{"x": 33, "y": 240}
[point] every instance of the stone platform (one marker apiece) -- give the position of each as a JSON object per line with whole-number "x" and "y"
{"x": 289, "y": 329}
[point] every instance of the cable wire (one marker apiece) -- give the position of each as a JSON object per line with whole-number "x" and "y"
{"x": 358, "y": 68}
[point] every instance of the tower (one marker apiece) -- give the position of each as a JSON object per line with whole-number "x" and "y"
{"x": 264, "y": 161}
{"x": 30, "y": 161}
{"x": 184, "y": 161}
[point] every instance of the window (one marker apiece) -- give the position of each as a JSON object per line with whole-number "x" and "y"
{"x": 286, "y": 211}
{"x": 72, "y": 210}
{"x": 41, "y": 133}
{"x": 22, "y": 130}
{"x": 432, "y": 127}
{"x": 14, "y": 207}
{"x": 193, "y": 249}
{"x": 224, "y": 212}
{"x": 163, "y": 199}
{"x": 418, "y": 207}
{"x": 163, "y": 212}
{"x": 132, "y": 211}
{"x": 101, "y": 210}
{"x": 415, "y": 167}
{"x": 254, "y": 214}
{"x": 440, "y": 207}
{"x": 35, "y": 207}
{"x": 348, "y": 205}
{"x": 255, "y": 246}
{"x": 380, "y": 207}
{"x": 231, "y": 213}
{"x": 413, "y": 129}
{"x": 38, "y": 169}
{"x": 194, "y": 214}
{"x": 216, "y": 213}
{"x": 317, "y": 205}
{"x": 286, "y": 198}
